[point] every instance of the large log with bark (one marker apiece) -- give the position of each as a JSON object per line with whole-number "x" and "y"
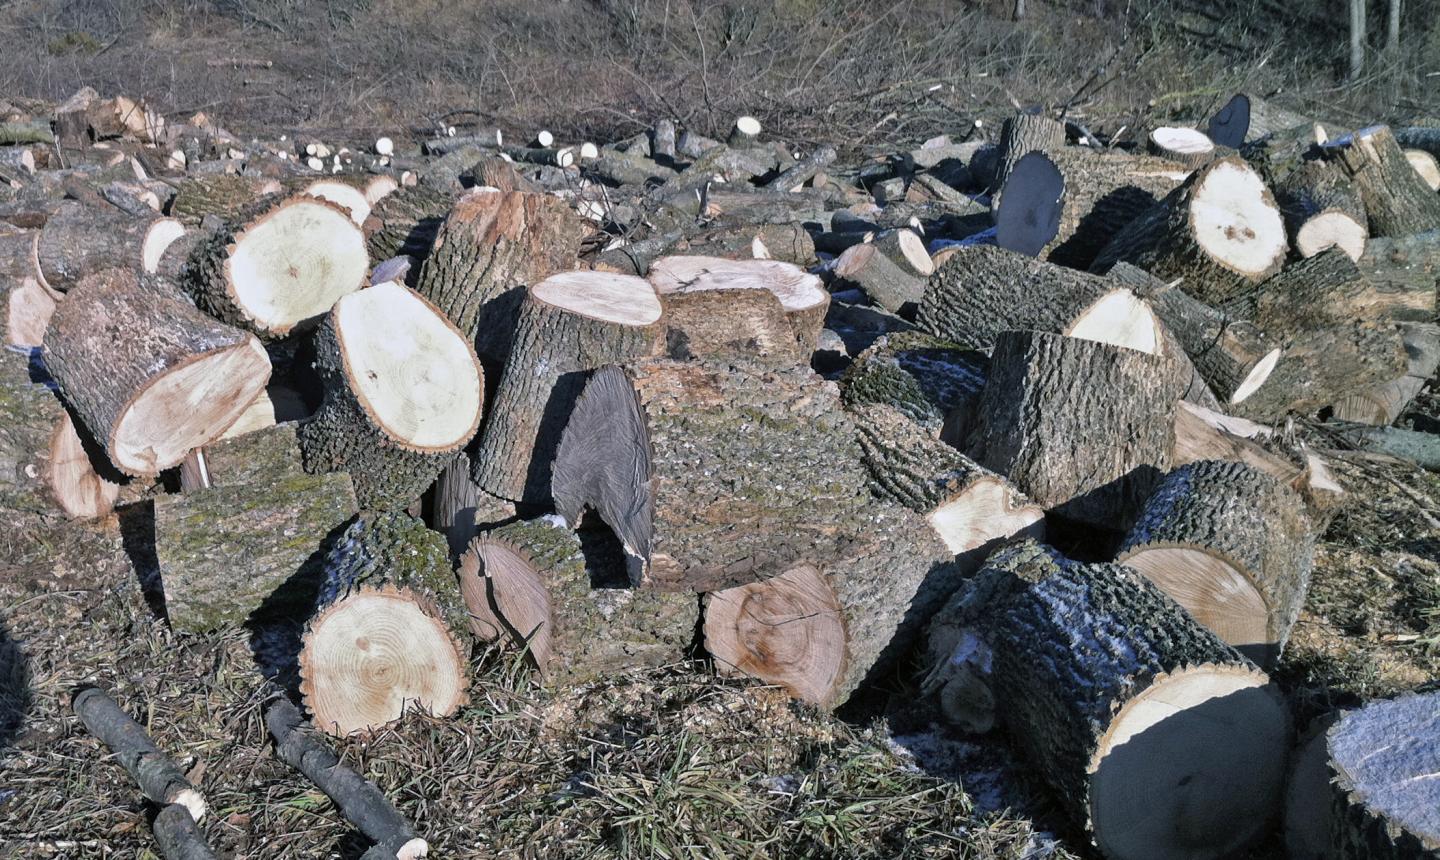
{"x": 1397, "y": 201}
{"x": 403, "y": 394}
{"x": 1322, "y": 209}
{"x": 1382, "y": 404}
{"x": 567, "y": 600}
{"x": 1231, "y": 544}
{"x": 1406, "y": 270}
{"x": 744, "y": 324}
{"x": 80, "y": 239}
{"x": 258, "y": 456}
{"x": 491, "y": 246}
{"x": 390, "y": 632}
{"x": 800, "y": 294}
{"x": 1320, "y": 366}
{"x": 569, "y": 324}
{"x": 1323, "y": 290}
{"x": 278, "y": 267}
{"x": 932, "y": 381}
{"x": 1081, "y": 427}
{"x": 1219, "y": 231}
{"x": 1385, "y": 799}
{"x": 406, "y": 223}
{"x": 1185, "y": 146}
{"x": 224, "y": 196}
{"x": 1023, "y": 133}
{"x": 149, "y": 375}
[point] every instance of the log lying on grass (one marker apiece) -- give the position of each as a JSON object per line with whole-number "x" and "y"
{"x": 1322, "y": 209}
{"x": 358, "y": 799}
{"x": 159, "y": 778}
{"x": 1385, "y": 798}
{"x": 1231, "y": 544}
{"x": 491, "y": 246}
{"x": 569, "y": 324}
{"x": 1397, "y": 201}
{"x": 278, "y": 269}
{"x": 569, "y": 603}
{"x": 178, "y": 836}
{"x": 800, "y": 293}
{"x": 149, "y": 375}
{"x": 80, "y": 240}
{"x": 1219, "y": 231}
{"x": 403, "y": 393}
{"x": 387, "y": 633}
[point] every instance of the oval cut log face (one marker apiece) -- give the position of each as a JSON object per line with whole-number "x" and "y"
{"x": 296, "y": 262}
{"x": 410, "y": 368}
{"x": 1233, "y": 222}
{"x": 796, "y": 288}
{"x": 605, "y": 296}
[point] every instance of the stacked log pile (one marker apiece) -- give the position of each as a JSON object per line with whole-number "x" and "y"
{"x": 608, "y": 403}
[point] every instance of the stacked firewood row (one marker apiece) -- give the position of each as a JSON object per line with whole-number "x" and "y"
{"x": 592, "y": 400}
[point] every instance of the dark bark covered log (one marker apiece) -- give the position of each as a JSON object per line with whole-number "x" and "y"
{"x": 150, "y": 376}
{"x": 1246, "y": 117}
{"x": 1320, "y": 366}
{"x": 225, "y": 196}
{"x": 1397, "y": 200}
{"x": 884, "y": 281}
{"x": 1406, "y": 269}
{"x": 1219, "y": 231}
{"x": 635, "y": 258}
{"x": 81, "y": 240}
{"x": 1231, "y": 544}
{"x": 159, "y": 778}
{"x": 620, "y": 169}
{"x": 1385, "y": 799}
{"x": 387, "y": 633}
{"x": 1324, "y": 290}
{"x": 178, "y": 836}
{"x": 403, "y": 394}
{"x": 927, "y": 379}
{"x": 1083, "y": 428}
{"x": 800, "y": 294}
{"x": 1322, "y": 209}
{"x": 1423, "y": 138}
{"x": 278, "y": 269}
{"x": 278, "y": 528}
{"x": 1084, "y": 655}
{"x": 358, "y": 799}
{"x": 1382, "y": 404}
{"x": 983, "y": 290}
{"x": 1023, "y": 133}
{"x": 739, "y": 324}
{"x": 492, "y": 246}
{"x": 406, "y": 222}
{"x": 43, "y": 463}
{"x": 787, "y": 243}
{"x": 803, "y": 170}
{"x": 569, "y": 324}
{"x": 567, "y": 600}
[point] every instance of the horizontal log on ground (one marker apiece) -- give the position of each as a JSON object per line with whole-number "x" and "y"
{"x": 1382, "y": 404}
{"x": 160, "y": 778}
{"x": 80, "y": 240}
{"x": 1406, "y": 271}
{"x": 1322, "y": 209}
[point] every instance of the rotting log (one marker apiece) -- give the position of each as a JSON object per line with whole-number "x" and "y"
{"x": 159, "y": 778}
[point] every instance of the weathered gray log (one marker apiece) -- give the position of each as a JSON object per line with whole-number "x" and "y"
{"x": 1025, "y": 132}
{"x": 1322, "y": 209}
{"x": 803, "y": 170}
{"x": 746, "y": 325}
{"x": 1406, "y": 271}
{"x": 1397, "y": 201}
{"x": 159, "y": 778}
{"x": 81, "y": 240}
{"x": 258, "y": 457}
{"x": 800, "y": 294}
{"x": 1385, "y": 799}
{"x": 406, "y": 222}
{"x": 1320, "y": 366}
{"x": 225, "y": 196}
{"x": 1382, "y": 404}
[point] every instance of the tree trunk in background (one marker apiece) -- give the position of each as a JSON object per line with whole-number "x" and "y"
{"x": 1392, "y": 28}
{"x": 1357, "y": 37}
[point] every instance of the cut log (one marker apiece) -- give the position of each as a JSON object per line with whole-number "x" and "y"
{"x": 1025, "y": 132}
{"x": 569, "y": 324}
{"x": 348, "y": 195}
{"x": 1246, "y": 118}
{"x": 1321, "y": 366}
{"x": 358, "y": 799}
{"x": 744, "y": 132}
{"x": 1382, "y": 404}
{"x": 884, "y": 281}
{"x": 568, "y": 602}
{"x": 492, "y": 246}
{"x": 1219, "y": 231}
{"x": 25, "y": 311}
{"x": 983, "y": 290}
{"x": 800, "y": 293}
{"x": 16, "y": 162}
{"x": 43, "y": 464}
{"x": 150, "y": 376}
{"x": 1406, "y": 269}
{"x": 1276, "y": 155}
{"x": 1322, "y": 209}
{"x": 1397, "y": 200}
{"x": 386, "y": 635}
{"x": 554, "y": 156}
{"x": 159, "y": 778}
{"x": 1028, "y": 209}
{"x": 788, "y": 243}
{"x": 405, "y": 223}
{"x": 1187, "y": 146}
{"x": 1324, "y": 290}
{"x": 256, "y": 458}
{"x": 403, "y": 393}
{"x": 280, "y": 269}
{"x": 81, "y": 240}
{"x": 1385, "y": 797}
{"x": 1425, "y": 165}
{"x": 279, "y": 528}
{"x": 1155, "y": 737}
{"x": 1232, "y": 545}
{"x": 177, "y": 835}
{"x": 1081, "y": 427}
{"x": 804, "y": 170}
{"x": 226, "y": 196}
{"x": 741, "y": 324}
{"x": 927, "y": 379}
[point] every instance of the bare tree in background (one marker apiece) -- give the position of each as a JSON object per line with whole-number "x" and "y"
{"x": 1357, "y": 38}
{"x": 1020, "y": 9}
{"x": 1392, "y": 28}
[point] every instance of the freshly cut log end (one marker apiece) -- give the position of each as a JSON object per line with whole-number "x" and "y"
{"x": 343, "y": 194}
{"x": 1385, "y": 795}
{"x": 1331, "y": 229}
{"x": 1235, "y": 223}
{"x": 27, "y": 309}
{"x": 800, "y": 293}
{"x": 1322, "y": 208}
{"x": 1186, "y": 146}
{"x": 1027, "y": 213}
{"x": 883, "y": 281}
{"x": 282, "y": 269}
{"x": 81, "y": 240}
{"x": 173, "y": 380}
{"x": 1425, "y": 165}
{"x": 1231, "y": 544}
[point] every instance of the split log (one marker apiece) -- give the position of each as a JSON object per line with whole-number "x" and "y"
{"x": 1081, "y": 427}
{"x": 741, "y": 324}
{"x": 1187, "y": 146}
{"x": 1322, "y": 209}
{"x": 403, "y": 393}
{"x": 25, "y": 311}
{"x": 1156, "y": 738}
{"x": 43, "y": 463}
{"x": 884, "y": 281}
{"x": 1407, "y": 270}
{"x": 81, "y": 240}
{"x": 259, "y": 457}
{"x": 568, "y": 602}
{"x": 386, "y": 635}
{"x": 1232, "y": 545}
{"x": 405, "y": 223}
{"x": 1321, "y": 366}
{"x": 280, "y": 269}
{"x": 491, "y": 246}
{"x": 159, "y": 778}
{"x": 1382, "y": 404}
{"x": 177, "y": 835}
{"x": 226, "y": 196}
{"x": 1219, "y": 231}
{"x": 172, "y": 379}
{"x": 1246, "y": 118}
{"x": 1385, "y": 799}
{"x": 799, "y": 292}
{"x": 931, "y": 381}
{"x": 569, "y": 324}
{"x": 983, "y": 290}
{"x": 278, "y": 528}
{"x": 358, "y": 799}
{"x": 1397, "y": 201}
{"x": 1025, "y": 132}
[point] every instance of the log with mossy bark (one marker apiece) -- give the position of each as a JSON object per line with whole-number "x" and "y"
{"x": 390, "y": 631}
{"x": 1219, "y": 231}
{"x": 1322, "y": 209}
{"x": 566, "y": 599}
{"x": 266, "y": 454}
{"x": 80, "y": 240}
{"x": 160, "y": 779}
{"x": 405, "y": 223}
{"x": 932, "y": 381}
{"x": 1231, "y": 544}
{"x": 800, "y": 294}
{"x": 1156, "y": 738}
{"x": 1083, "y": 428}
{"x": 149, "y": 375}
{"x": 403, "y": 394}
{"x": 1397, "y": 201}
{"x": 225, "y": 196}
{"x": 491, "y": 246}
